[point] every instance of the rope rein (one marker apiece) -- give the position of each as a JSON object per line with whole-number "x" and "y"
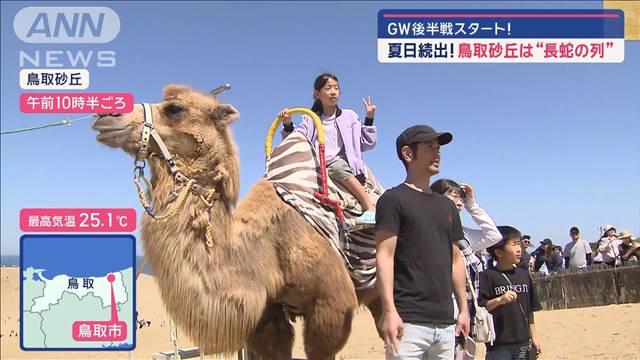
{"x": 208, "y": 200}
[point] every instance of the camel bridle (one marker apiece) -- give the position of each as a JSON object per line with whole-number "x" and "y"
{"x": 181, "y": 181}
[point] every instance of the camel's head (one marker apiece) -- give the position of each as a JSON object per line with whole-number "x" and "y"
{"x": 185, "y": 119}
{"x": 193, "y": 126}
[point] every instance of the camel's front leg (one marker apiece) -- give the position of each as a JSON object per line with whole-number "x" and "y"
{"x": 273, "y": 337}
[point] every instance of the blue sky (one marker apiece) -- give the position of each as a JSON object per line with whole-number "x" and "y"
{"x": 546, "y": 146}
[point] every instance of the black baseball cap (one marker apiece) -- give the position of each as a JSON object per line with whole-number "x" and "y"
{"x": 418, "y": 134}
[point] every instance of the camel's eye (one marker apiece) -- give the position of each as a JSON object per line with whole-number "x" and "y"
{"x": 173, "y": 109}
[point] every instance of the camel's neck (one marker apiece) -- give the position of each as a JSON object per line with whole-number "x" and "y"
{"x": 207, "y": 290}
{"x": 184, "y": 220}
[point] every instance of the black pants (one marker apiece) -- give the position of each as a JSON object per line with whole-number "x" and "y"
{"x": 527, "y": 352}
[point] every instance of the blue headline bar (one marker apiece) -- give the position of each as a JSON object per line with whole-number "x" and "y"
{"x": 517, "y": 24}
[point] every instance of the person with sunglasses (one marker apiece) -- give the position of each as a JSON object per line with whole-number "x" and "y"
{"x": 577, "y": 253}
{"x": 525, "y": 260}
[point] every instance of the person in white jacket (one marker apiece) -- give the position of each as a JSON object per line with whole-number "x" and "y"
{"x": 609, "y": 246}
{"x": 475, "y": 240}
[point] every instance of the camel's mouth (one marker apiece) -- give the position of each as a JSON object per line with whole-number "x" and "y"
{"x": 113, "y": 129}
{"x": 110, "y": 135}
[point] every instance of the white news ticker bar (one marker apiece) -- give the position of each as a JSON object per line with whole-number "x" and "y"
{"x": 83, "y": 79}
{"x": 612, "y": 54}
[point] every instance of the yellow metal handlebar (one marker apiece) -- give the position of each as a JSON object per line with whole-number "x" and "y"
{"x": 274, "y": 126}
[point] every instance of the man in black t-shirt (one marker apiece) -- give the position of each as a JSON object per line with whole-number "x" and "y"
{"x": 509, "y": 294}
{"x": 419, "y": 265}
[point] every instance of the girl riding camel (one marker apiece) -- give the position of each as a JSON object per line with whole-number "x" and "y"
{"x": 345, "y": 139}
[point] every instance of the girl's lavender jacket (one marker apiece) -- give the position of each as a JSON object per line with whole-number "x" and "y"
{"x": 355, "y": 136}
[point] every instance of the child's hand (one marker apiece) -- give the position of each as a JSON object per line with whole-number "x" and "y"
{"x": 508, "y": 297}
{"x": 369, "y": 107}
{"x": 537, "y": 345}
{"x": 284, "y": 116}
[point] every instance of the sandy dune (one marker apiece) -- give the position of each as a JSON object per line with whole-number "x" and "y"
{"x": 607, "y": 332}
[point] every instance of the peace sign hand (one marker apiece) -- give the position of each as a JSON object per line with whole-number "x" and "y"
{"x": 369, "y": 107}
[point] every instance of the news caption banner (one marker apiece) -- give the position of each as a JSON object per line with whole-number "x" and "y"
{"x": 67, "y": 67}
{"x": 501, "y": 36}
{"x": 77, "y": 291}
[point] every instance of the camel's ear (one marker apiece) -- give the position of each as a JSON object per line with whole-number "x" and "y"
{"x": 172, "y": 91}
{"x": 225, "y": 114}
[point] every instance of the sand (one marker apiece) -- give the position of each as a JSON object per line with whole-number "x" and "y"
{"x": 605, "y": 332}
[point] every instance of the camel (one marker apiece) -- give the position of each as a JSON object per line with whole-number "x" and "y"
{"x": 263, "y": 257}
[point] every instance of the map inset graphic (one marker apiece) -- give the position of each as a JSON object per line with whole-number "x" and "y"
{"x": 77, "y": 292}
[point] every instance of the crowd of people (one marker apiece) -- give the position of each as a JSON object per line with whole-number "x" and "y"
{"x": 613, "y": 249}
{"x": 437, "y": 279}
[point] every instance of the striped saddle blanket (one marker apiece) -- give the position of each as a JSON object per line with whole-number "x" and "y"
{"x": 294, "y": 170}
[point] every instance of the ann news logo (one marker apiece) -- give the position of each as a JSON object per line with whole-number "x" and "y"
{"x": 65, "y": 25}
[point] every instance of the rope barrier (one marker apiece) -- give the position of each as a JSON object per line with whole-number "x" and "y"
{"x": 58, "y": 123}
